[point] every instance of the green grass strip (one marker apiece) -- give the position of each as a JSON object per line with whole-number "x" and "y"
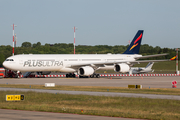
{"x": 144, "y": 108}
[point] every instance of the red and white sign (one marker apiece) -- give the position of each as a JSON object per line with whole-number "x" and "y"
{"x": 174, "y": 83}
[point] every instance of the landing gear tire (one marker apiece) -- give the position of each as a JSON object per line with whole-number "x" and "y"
{"x": 70, "y": 75}
{"x": 92, "y": 76}
{"x": 95, "y": 75}
{"x": 67, "y": 75}
{"x": 83, "y": 76}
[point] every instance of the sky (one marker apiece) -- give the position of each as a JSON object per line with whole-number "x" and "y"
{"x": 98, "y": 22}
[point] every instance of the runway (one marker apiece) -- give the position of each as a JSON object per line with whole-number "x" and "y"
{"x": 33, "y": 115}
{"x": 146, "y": 82}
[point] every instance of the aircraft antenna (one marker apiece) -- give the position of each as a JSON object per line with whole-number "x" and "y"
{"x": 74, "y": 37}
{"x": 13, "y": 38}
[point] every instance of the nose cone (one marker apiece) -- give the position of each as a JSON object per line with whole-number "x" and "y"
{"x": 5, "y": 64}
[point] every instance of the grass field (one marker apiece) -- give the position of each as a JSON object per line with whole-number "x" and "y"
{"x": 155, "y": 109}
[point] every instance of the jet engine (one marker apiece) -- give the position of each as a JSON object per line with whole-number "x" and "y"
{"x": 85, "y": 71}
{"x": 122, "y": 68}
{"x": 43, "y": 72}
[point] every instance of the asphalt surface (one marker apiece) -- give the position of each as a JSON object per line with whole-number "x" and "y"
{"x": 32, "y": 115}
{"x": 146, "y": 82}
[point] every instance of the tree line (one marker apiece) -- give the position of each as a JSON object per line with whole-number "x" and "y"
{"x": 63, "y": 48}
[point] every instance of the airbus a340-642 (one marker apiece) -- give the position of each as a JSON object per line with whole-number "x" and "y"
{"x": 80, "y": 64}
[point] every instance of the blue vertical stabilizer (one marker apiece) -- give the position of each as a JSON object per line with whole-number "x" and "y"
{"x": 135, "y": 44}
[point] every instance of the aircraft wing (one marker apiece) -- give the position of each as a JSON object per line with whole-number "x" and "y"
{"x": 143, "y": 61}
{"x": 98, "y": 64}
{"x": 149, "y": 56}
{"x": 102, "y": 64}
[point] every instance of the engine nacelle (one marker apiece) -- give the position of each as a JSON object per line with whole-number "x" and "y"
{"x": 43, "y": 72}
{"x": 85, "y": 71}
{"x": 122, "y": 68}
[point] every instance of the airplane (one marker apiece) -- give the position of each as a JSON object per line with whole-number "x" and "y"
{"x": 80, "y": 64}
{"x": 140, "y": 70}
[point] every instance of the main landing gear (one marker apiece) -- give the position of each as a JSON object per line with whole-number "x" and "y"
{"x": 70, "y": 75}
{"x": 95, "y": 75}
{"x": 91, "y": 76}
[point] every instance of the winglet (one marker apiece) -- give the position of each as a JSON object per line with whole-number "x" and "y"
{"x": 135, "y": 44}
{"x": 173, "y": 58}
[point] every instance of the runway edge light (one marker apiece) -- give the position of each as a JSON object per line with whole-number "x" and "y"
{"x": 14, "y": 97}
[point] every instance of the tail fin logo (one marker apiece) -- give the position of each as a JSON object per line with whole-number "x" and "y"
{"x": 133, "y": 46}
{"x": 135, "y": 42}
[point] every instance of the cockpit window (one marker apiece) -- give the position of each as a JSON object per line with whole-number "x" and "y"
{"x": 9, "y": 60}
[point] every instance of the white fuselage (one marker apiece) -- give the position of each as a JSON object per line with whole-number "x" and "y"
{"x": 63, "y": 62}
